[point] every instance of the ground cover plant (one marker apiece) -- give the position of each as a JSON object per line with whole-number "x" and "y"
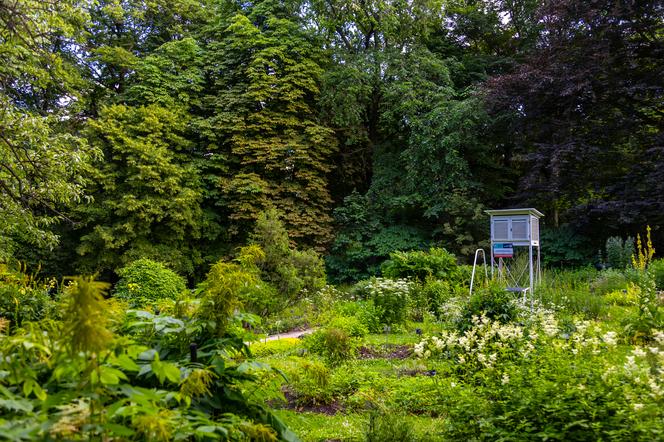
{"x": 412, "y": 357}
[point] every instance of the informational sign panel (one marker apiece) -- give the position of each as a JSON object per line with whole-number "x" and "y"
{"x": 503, "y": 250}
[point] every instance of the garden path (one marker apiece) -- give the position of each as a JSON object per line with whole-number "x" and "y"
{"x": 291, "y": 334}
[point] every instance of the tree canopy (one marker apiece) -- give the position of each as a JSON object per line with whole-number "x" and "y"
{"x": 165, "y": 129}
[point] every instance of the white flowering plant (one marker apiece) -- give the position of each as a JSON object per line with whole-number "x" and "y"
{"x": 391, "y": 297}
{"x": 549, "y": 381}
{"x": 486, "y": 345}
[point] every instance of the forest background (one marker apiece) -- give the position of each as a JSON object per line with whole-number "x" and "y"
{"x": 163, "y": 128}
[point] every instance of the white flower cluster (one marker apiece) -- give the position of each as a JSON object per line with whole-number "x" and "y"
{"x": 382, "y": 284}
{"x": 644, "y": 368}
{"x": 588, "y": 338}
{"x": 452, "y": 309}
{"x": 480, "y": 347}
{"x": 401, "y": 287}
{"x": 659, "y": 336}
{"x": 610, "y": 338}
{"x": 550, "y": 325}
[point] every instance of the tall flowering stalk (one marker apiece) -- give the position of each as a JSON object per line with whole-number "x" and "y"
{"x": 643, "y": 255}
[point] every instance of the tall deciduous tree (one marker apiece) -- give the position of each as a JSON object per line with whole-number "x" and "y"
{"x": 41, "y": 165}
{"x": 122, "y": 32}
{"x": 147, "y": 198}
{"x": 403, "y": 99}
{"x": 588, "y": 116}
{"x": 265, "y": 71}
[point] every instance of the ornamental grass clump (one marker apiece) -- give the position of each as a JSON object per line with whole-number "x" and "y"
{"x": 335, "y": 345}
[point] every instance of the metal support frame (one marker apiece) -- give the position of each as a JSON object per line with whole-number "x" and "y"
{"x": 486, "y": 272}
{"x": 534, "y": 266}
{"x": 534, "y": 275}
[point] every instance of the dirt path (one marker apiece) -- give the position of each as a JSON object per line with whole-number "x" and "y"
{"x": 293, "y": 334}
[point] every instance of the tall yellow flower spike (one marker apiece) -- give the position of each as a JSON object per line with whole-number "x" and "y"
{"x": 643, "y": 255}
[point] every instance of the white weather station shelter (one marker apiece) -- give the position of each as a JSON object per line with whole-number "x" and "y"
{"x": 510, "y": 229}
{"x": 515, "y": 228}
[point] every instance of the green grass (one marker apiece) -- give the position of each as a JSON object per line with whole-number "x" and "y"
{"x": 350, "y": 427}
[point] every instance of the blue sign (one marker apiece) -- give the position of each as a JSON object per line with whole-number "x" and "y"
{"x": 503, "y": 250}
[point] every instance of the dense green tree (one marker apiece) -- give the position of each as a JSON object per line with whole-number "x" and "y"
{"x": 120, "y": 33}
{"x": 37, "y": 42}
{"x": 147, "y": 196}
{"x": 291, "y": 271}
{"x": 41, "y": 176}
{"x": 170, "y": 76}
{"x": 590, "y": 99}
{"x": 404, "y": 119}
{"x": 415, "y": 136}
{"x": 41, "y": 162}
{"x": 265, "y": 71}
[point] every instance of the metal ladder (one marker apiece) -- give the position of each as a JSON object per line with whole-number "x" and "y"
{"x": 486, "y": 272}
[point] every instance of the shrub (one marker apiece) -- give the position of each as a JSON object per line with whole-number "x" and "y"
{"x": 243, "y": 282}
{"x": 310, "y": 384}
{"x": 310, "y": 269}
{"x": 618, "y": 252}
{"x": 145, "y": 281}
{"x": 434, "y": 293}
{"x": 564, "y": 247}
{"x": 465, "y": 272}
{"x": 626, "y": 297}
{"x": 351, "y": 325}
{"x": 608, "y": 281}
{"x": 290, "y": 271}
{"x": 365, "y": 237}
{"x": 361, "y": 289}
{"x": 494, "y": 302}
{"x": 575, "y": 400}
{"x": 391, "y": 298}
{"x": 418, "y": 264}
{"x": 370, "y": 316}
{"x": 257, "y": 296}
{"x": 23, "y": 298}
{"x": 333, "y": 344}
{"x": 656, "y": 269}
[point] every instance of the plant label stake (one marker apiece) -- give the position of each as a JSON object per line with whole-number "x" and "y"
{"x": 193, "y": 352}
